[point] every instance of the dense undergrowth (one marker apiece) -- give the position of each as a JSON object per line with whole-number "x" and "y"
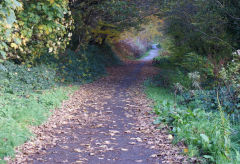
{"x": 200, "y": 67}
{"x": 207, "y": 134}
{"x": 28, "y": 95}
{"x": 82, "y": 66}
{"x": 201, "y": 113}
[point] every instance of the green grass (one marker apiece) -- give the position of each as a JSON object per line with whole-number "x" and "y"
{"x": 158, "y": 93}
{"x": 27, "y": 98}
{"x": 17, "y": 113}
{"x": 207, "y": 135}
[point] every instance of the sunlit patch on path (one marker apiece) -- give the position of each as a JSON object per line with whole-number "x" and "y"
{"x": 152, "y": 54}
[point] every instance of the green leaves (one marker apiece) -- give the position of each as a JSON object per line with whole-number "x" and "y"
{"x": 205, "y": 138}
{"x": 19, "y": 29}
{"x": 206, "y": 134}
{"x": 3, "y": 54}
{"x": 8, "y": 18}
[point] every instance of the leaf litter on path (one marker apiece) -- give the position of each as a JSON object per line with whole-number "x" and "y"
{"x": 106, "y": 121}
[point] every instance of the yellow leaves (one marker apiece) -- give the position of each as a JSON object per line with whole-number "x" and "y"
{"x": 14, "y": 45}
{"x": 24, "y": 41}
{"x": 16, "y": 26}
{"x": 50, "y": 50}
{"x": 104, "y": 30}
{"x": 110, "y": 33}
{"x": 23, "y": 34}
{"x": 99, "y": 40}
{"x": 185, "y": 150}
{"x": 21, "y": 23}
{"x": 148, "y": 31}
{"x": 51, "y": 1}
{"x": 47, "y": 32}
{"x": 40, "y": 27}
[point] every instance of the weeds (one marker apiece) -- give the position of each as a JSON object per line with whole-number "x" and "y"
{"x": 208, "y": 135}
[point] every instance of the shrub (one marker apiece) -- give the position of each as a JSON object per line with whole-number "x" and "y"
{"x": 207, "y": 99}
{"x": 42, "y": 26}
{"x": 201, "y": 131}
{"x": 82, "y": 66}
{"x": 19, "y": 79}
{"x": 8, "y": 18}
{"x": 207, "y": 134}
{"x": 169, "y": 77}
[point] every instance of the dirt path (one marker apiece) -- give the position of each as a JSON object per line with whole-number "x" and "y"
{"x": 152, "y": 54}
{"x": 108, "y": 121}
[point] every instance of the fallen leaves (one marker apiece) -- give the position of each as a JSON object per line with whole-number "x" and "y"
{"x": 113, "y": 132}
{"x": 92, "y": 154}
{"x": 137, "y": 139}
{"x": 107, "y": 142}
{"x": 153, "y": 155}
{"x": 132, "y": 143}
{"x": 127, "y": 131}
{"x": 123, "y": 149}
{"x": 78, "y": 150}
{"x": 170, "y": 137}
{"x": 104, "y": 117}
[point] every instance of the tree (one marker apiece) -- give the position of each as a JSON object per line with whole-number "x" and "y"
{"x": 32, "y": 28}
{"x": 100, "y": 20}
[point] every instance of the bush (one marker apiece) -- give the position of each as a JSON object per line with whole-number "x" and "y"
{"x": 8, "y": 18}
{"x": 169, "y": 77}
{"x": 187, "y": 63}
{"x": 207, "y": 134}
{"x": 33, "y": 28}
{"x": 207, "y": 100}
{"x": 199, "y": 130}
{"x": 19, "y": 79}
{"x": 82, "y": 66}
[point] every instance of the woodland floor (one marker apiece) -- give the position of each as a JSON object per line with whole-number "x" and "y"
{"x": 107, "y": 121}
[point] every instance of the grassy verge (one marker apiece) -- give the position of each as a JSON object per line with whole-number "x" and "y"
{"x": 27, "y": 98}
{"x": 17, "y": 113}
{"x": 28, "y": 95}
{"x": 207, "y": 135}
